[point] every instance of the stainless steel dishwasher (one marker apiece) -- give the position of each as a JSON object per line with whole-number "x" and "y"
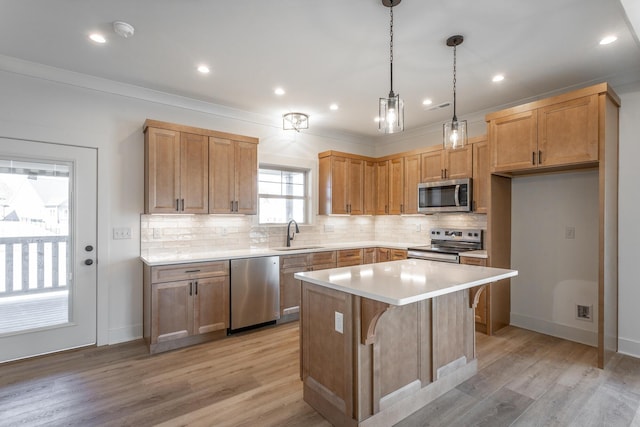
{"x": 255, "y": 291}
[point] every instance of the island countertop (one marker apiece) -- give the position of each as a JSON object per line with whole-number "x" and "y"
{"x": 405, "y": 282}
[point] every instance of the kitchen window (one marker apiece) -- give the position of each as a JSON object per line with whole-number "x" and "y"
{"x": 282, "y": 195}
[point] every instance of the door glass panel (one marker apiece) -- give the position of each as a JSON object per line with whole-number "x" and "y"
{"x": 34, "y": 244}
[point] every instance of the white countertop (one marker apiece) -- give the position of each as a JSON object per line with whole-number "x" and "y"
{"x": 225, "y": 254}
{"x": 475, "y": 254}
{"x": 405, "y": 282}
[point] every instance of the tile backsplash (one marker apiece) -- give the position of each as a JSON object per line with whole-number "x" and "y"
{"x": 179, "y": 234}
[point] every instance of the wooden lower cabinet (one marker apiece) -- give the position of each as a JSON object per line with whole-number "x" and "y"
{"x": 185, "y": 304}
{"x": 369, "y": 255}
{"x": 388, "y": 254}
{"x": 481, "y": 313}
{"x": 349, "y": 257}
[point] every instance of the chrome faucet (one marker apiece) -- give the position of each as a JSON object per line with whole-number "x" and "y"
{"x": 289, "y": 236}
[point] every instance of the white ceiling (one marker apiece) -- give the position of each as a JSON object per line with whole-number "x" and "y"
{"x": 329, "y": 51}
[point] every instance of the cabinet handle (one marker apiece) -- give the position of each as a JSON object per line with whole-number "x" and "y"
{"x": 401, "y": 207}
{"x": 533, "y": 157}
{"x": 178, "y": 205}
{"x": 441, "y": 173}
{"x": 236, "y": 206}
{"x": 386, "y": 209}
{"x": 196, "y": 283}
{"x": 539, "y": 157}
{"x": 190, "y": 288}
{"x": 192, "y": 271}
{"x": 182, "y": 201}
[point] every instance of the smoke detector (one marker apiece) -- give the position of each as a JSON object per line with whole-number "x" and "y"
{"x": 123, "y": 29}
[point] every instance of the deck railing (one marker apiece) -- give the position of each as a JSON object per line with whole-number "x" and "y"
{"x": 33, "y": 264}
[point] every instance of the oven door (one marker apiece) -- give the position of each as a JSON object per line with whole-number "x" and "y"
{"x": 434, "y": 256}
{"x": 452, "y": 195}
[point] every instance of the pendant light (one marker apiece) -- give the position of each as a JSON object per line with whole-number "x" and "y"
{"x": 455, "y": 132}
{"x": 391, "y": 109}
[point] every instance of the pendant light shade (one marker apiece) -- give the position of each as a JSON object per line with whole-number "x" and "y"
{"x": 455, "y": 131}
{"x": 391, "y": 109}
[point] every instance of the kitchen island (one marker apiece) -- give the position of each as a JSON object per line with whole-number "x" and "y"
{"x": 380, "y": 341}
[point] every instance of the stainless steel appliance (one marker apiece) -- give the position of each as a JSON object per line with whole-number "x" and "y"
{"x": 452, "y": 195}
{"x": 255, "y": 291}
{"x": 447, "y": 244}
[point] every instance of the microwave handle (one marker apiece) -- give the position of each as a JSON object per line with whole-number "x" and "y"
{"x": 457, "y": 195}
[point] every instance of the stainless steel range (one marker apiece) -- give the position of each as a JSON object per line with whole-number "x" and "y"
{"x": 447, "y": 244}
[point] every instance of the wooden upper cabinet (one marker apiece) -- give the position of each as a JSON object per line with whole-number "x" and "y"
{"x": 234, "y": 176}
{"x": 568, "y": 132}
{"x": 370, "y": 192}
{"x": 176, "y": 177}
{"x": 554, "y": 133}
{"x": 411, "y": 181}
{"x": 447, "y": 164}
{"x": 481, "y": 175}
{"x": 396, "y": 186}
{"x": 514, "y": 141}
{"x": 382, "y": 192}
{"x": 342, "y": 184}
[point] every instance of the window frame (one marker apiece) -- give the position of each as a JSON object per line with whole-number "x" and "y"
{"x": 306, "y": 198}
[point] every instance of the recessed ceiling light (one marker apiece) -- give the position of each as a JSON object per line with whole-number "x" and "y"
{"x": 608, "y": 40}
{"x": 427, "y": 102}
{"x": 279, "y": 91}
{"x": 203, "y": 69}
{"x": 98, "y": 38}
{"x": 497, "y": 78}
{"x": 333, "y": 107}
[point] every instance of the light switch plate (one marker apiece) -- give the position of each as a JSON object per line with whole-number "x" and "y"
{"x": 121, "y": 233}
{"x": 338, "y": 322}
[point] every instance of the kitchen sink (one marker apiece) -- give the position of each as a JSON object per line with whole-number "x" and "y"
{"x": 296, "y": 248}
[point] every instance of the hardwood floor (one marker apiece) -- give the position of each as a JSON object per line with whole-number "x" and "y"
{"x": 524, "y": 379}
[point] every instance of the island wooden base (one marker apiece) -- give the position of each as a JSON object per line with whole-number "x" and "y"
{"x": 388, "y": 361}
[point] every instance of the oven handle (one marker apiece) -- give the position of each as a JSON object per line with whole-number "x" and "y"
{"x": 457, "y": 195}
{"x": 431, "y": 256}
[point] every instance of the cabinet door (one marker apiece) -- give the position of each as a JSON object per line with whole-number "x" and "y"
{"x": 194, "y": 173}
{"x": 348, "y": 257}
{"x": 411, "y": 181}
{"x": 162, "y": 171}
{"x": 221, "y": 175}
{"x": 480, "y": 176}
{"x": 382, "y": 180}
{"x": 513, "y": 142}
{"x": 398, "y": 254}
{"x": 383, "y": 255}
{"x": 458, "y": 163}
{"x": 355, "y": 195}
{"x": 568, "y": 132}
{"x": 246, "y": 178}
{"x": 369, "y": 188}
{"x": 339, "y": 193}
{"x": 369, "y": 255}
{"x": 432, "y": 168}
{"x": 171, "y": 311}
{"x": 211, "y": 304}
{"x": 396, "y": 186}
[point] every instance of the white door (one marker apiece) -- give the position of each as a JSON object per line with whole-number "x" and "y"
{"x": 48, "y": 222}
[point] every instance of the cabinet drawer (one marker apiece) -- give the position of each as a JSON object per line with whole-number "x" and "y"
{"x": 316, "y": 258}
{"x": 299, "y": 260}
{"x": 348, "y": 257}
{"x": 473, "y": 261}
{"x": 317, "y": 267}
{"x": 172, "y": 273}
{"x": 398, "y": 254}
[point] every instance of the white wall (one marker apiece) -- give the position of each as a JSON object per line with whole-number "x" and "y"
{"x": 629, "y": 224}
{"x": 555, "y": 273}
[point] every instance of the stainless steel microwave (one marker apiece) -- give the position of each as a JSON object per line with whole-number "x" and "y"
{"x": 452, "y": 195}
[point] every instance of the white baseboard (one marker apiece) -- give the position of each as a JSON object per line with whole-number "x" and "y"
{"x": 629, "y": 347}
{"x": 555, "y": 329}
{"x": 128, "y": 333}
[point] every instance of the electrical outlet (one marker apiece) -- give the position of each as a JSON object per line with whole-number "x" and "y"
{"x": 418, "y": 228}
{"x": 157, "y": 233}
{"x": 121, "y": 233}
{"x": 570, "y": 232}
{"x": 339, "y": 322}
{"x": 223, "y": 231}
{"x": 329, "y": 228}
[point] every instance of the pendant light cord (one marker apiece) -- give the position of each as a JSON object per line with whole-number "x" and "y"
{"x": 391, "y": 95}
{"x": 455, "y": 119}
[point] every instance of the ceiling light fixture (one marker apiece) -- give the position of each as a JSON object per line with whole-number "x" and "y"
{"x": 98, "y": 38}
{"x": 427, "y": 102}
{"x": 279, "y": 91}
{"x": 454, "y": 132}
{"x": 608, "y": 40}
{"x": 391, "y": 109}
{"x": 123, "y": 29}
{"x": 203, "y": 69}
{"x": 497, "y": 78}
{"x": 295, "y": 121}
{"x": 333, "y": 107}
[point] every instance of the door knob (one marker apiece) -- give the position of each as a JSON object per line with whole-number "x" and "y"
{"x": 88, "y": 262}
{"x": 88, "y": 248}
